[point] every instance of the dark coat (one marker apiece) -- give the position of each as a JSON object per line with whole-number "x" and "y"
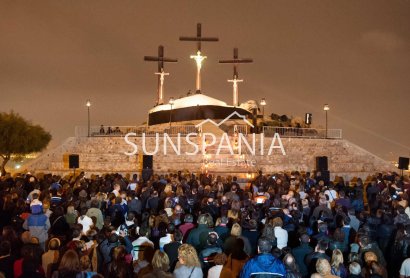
{"x": 172, "y": 251}
{"x": 197, "y": 237}
{"x": 300, "y": 253}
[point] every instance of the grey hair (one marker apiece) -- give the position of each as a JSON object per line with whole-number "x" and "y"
{"x": 355, "y": 268}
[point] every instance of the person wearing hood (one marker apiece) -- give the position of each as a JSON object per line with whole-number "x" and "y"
{"x": 37, "y": 223}
{"x": 264, "y": 264}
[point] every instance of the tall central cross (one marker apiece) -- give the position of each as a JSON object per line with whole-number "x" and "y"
{"x": 235, "y": 61}
{"x": 198, "y": 57}
{"x": 161, "y": 73}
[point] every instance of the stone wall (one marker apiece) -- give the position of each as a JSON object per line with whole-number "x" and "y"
{"x": 106, "y": 154}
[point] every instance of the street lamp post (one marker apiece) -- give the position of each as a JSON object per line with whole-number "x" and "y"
{"x": 88, "y": 104}
{"x": 326, "y": 108}
{"x": 263, "y": 103}
{"x": 171, "y": 102}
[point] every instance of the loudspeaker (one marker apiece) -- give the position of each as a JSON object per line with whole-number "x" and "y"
{"x": 73, "y": 161}
{"x": 325, "y": 176}
{"x": 147, "y": 162}
{"x": 321, "y": 163}
{"x": 403, "y": 163}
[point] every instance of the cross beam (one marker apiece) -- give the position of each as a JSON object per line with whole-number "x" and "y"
{"x": 161, "y": 73}
{"x": 235, "y": 61}
{"x": 199, "y": 37}
{"x": 198, "y": 57}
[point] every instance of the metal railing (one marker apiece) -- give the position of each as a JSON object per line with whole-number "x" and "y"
{"x": 182, "y": 129}
{"x": 118, "y": 131}
{"x": 241, "y": 129}
{"x": 315, "y": 133}
{"x": 269, "y": 131}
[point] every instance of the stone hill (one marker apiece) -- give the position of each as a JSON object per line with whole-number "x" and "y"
{"x": 106, "y": 154}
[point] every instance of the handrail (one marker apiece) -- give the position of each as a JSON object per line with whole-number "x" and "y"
{"x": 268, "y": 131}
{"x": 314, "y": 133}
{"x": 117, "y": 131}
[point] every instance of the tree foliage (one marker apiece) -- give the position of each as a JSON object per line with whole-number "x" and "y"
{"x": 19, "y": 137}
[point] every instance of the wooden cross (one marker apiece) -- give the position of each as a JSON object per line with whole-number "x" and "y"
{"x": 198, "y": 57}
{"x": 235, "y": 61}
{"x": 161, "y": 73}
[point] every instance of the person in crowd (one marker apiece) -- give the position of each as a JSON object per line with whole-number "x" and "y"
{"x": 292, "y": 270}
{"x": 197, "y": 237}
{"x": 129, "y": 223}
{"x": 208, "y": 252}
{"x": 301, "y": 252}
{"x": 95, "y": 211}
{"x": 318, "y": 253}
{"x": 236, "y": 260}
{"x": 189, "y": 264}
{"x": 171, "y": 249}
{"x": 38, "y": 224}
{"x": 337, "y": 266}
{"x": 160, "y": 265}
{"x": 264, "y": 263}
{"x": 6, "y": 259}
{"x": 187, "y": 226}
{"x": 215, "y": 271}
{"x": 355, "y": 270}
{"x": 222, "y": 229}
{"x": 324, "y": 269}
{"x": 118, "y": 266}
{"x": 69, "y": 265}
{"x": 280, "y": 233}
{"x": 168, "y": 237}
{"x": 51, "y": 256}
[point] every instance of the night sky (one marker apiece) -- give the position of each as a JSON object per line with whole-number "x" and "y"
{"x": 353, "y": 55}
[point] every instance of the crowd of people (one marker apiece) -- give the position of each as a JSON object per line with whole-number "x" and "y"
{"x": 183, "y": 225}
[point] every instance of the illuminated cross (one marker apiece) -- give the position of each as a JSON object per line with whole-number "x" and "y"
{"x": 161, "y": 86}
{"x": 235, "y": 79}
{"x": 161, "y": 74}
{"x": 198, "y": 57}
{"x": 235, "y": 89}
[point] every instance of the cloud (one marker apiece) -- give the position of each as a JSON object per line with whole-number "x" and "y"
{"x": 383, "y": 40}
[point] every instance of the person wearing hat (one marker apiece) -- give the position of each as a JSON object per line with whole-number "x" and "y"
{"x": 37, "y": 223}
{"x": 209, "y": 251}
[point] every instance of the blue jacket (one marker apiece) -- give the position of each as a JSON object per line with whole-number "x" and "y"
{"x": 38, "y": 225}
{"x": 263, "y": 265}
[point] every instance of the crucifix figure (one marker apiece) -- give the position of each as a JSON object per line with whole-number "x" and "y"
{"x": 198, "y": 57}
{"x": 161, "y": 73}
{"x": 235, "y": 79}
